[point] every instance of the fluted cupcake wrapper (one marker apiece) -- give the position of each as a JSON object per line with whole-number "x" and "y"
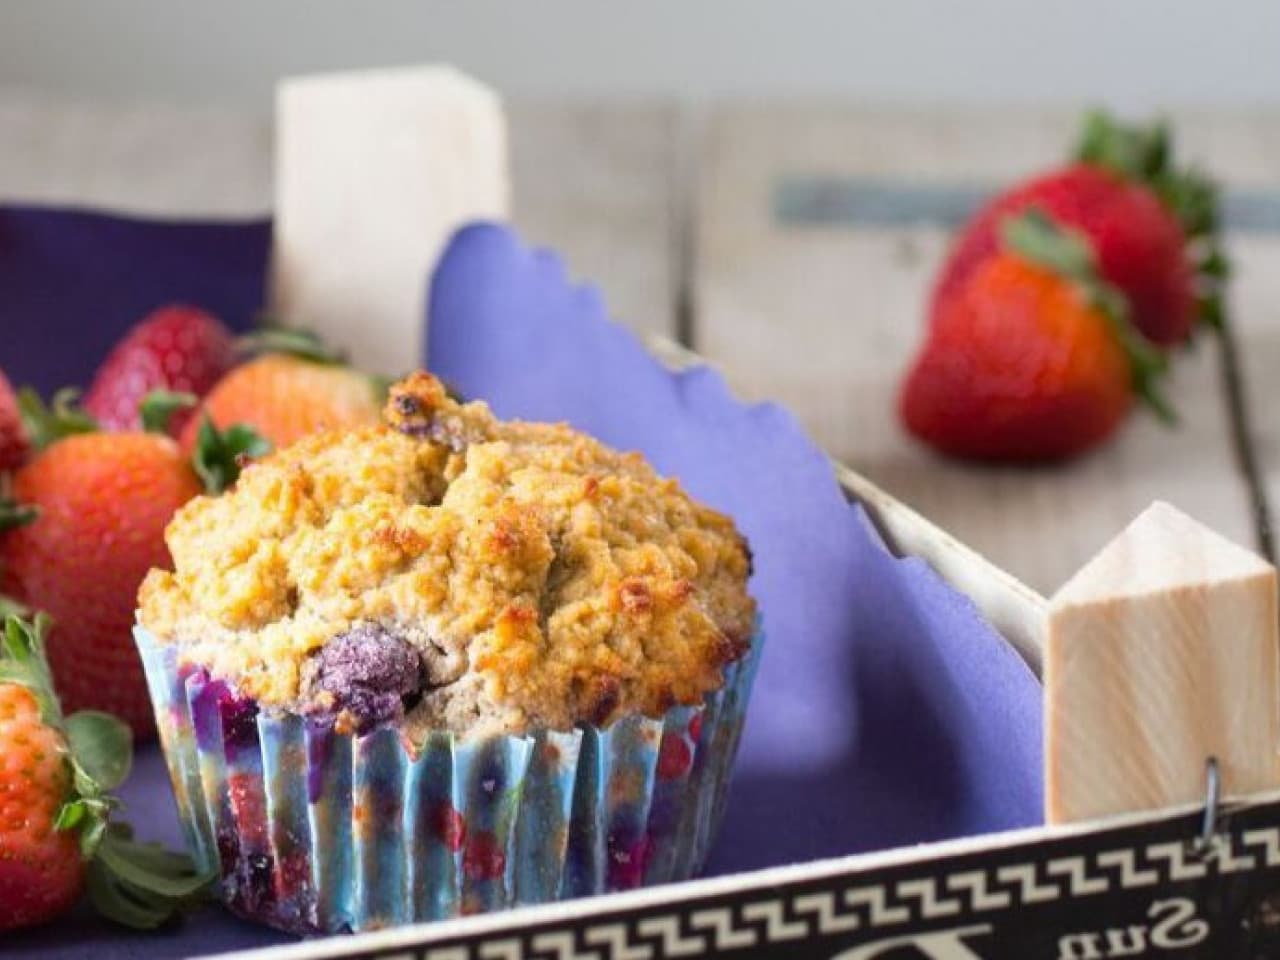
{"x": 316, "y": 831}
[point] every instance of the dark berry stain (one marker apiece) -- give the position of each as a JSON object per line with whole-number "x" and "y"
{"x": 239, "y": 722}
{"x": 368, "y": 673}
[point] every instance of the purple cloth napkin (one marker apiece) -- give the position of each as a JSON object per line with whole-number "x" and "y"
{"x": 886, "y": 711}
{"x": 72, "y": 282}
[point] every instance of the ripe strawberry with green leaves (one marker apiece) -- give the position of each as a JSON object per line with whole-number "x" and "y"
{"x": 1035, "y": 358}
{"x": 57, "y": 836}
{"x": 86, "y": 522}
{"x": 1153, "y": 228}
{"x": 295, "y": 387}
{"x": 177, "y": 348}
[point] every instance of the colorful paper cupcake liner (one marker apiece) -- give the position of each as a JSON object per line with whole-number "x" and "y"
{"x": 319, "y": 832}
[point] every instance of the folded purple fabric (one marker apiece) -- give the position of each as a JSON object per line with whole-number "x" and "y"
{"x": 886, "y": 710}
{"x": 71, "y": 283}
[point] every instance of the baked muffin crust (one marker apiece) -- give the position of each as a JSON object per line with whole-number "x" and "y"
{"x": 542, "y": 579}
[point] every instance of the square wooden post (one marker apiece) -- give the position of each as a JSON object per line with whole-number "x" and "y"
{"x": 1161, "y": 652}
{"x": 375, "y": 170}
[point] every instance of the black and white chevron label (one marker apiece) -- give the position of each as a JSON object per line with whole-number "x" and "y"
{"x": 1143, "y": 887}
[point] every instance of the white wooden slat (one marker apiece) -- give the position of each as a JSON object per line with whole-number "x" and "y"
{"x": 151, "y": 160}
{"x": 826, "y": 319}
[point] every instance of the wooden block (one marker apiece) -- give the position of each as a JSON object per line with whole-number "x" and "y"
{"x": 374, "y": 172}
{"x": 1161, "y": 652}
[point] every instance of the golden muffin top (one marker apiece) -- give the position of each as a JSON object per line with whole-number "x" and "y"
{"x": 457, "y": 571}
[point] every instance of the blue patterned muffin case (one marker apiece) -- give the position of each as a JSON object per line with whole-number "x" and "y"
{"x": 314, "y": 831}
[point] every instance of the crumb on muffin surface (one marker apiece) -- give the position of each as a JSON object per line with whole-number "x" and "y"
{"x": 542, "y": 578}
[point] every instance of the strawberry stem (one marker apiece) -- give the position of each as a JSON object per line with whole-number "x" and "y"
{"x": 1035, "y": 237}
{"x": 159, "y": 406}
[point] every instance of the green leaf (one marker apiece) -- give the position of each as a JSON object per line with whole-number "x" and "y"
{"x": 220, "y": 454}
{"x": 47, "y": 424}
{"x": 118, "y": 902}
{"x": 1214, "y": 265}
{"x": 91, "y": 837}
{"x": 17, "y": 639}
{"x": 150, "y": 868}
{"x": 70, "y": 815}
{"x": 159, "y": 406}
{"x": 1035, "y": 237}
{"x": 14, "y": 514}
{"x": 102, "y": 746}
{"x": 303, "y": 344}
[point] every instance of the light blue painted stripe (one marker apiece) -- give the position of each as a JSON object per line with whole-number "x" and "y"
{"x": 801, "y": 200}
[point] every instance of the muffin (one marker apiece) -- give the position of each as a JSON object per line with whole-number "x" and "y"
{"x": 447, "y": 664}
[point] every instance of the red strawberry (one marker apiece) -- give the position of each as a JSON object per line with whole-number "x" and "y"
{"x": 1033, "y": 359}
{"x": 41, "y": 872}
{"x": 1152, "y": 228}
{"x": 87, "y": 522}
{"x": 296, "y": 389}
{"x": 56, "y": 775}
{"x": 13, "y": 435}
{"x": 103, "y": 501}
{"x": 177, "y": 348}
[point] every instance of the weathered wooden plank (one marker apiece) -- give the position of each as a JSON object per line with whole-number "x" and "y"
{"x": 598, "y": 183}
{"x": 1251, "y": 151}
{"x": 595, "y": 181}
{"x": 151, "y": 160}
{"x": 1161, "y": 653}
{"x": 825, "y": 318}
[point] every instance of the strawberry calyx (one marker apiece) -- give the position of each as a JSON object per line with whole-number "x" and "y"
{"x": 220, "y": 455}
{"x": 159, "y": 406}
{"x": 1036, "y": 238}
{"x": 294, "y": 342}
{"x": 1144, "y": 154}
{"x": 140, "y": 885}
{"x": 62, "y": 417}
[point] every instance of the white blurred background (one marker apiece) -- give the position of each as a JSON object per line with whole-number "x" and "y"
{"x": 1135, "y": 54}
